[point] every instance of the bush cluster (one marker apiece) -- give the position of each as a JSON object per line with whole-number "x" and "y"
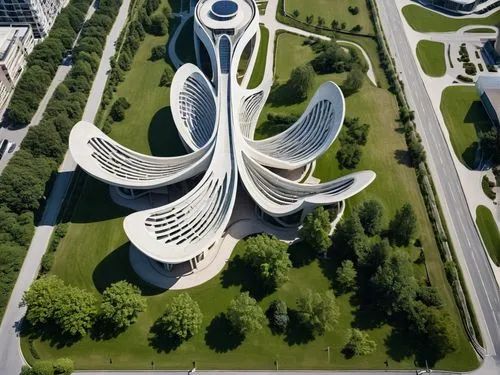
{"x": 332, "y": 58}
{"x": 353, "y": 135}
{"x": 26, "y": 180}
{"x": 60, "y": 366}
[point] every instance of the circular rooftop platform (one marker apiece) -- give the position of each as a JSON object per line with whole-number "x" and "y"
{"x": 224, "y": 9}
{"x": 225, "y": 14}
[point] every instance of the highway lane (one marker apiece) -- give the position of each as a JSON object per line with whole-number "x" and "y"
{"x": 468, "y": 245}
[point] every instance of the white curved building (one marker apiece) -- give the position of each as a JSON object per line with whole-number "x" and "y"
{"x": 216, "y": 119}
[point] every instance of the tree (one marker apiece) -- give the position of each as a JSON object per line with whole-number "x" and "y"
{"x": 121, "y": 304}
{"x": 301, "y": 81}
{"x": 417, "y": 151}
{"x": 182, "y": 317}
{"x": 268, "y": 257}
{"x": 429, "y": 296}
{"x": 315, "y": 230}
{"x": 394, "y": 284}
{"x": 167, "y": 76}
{"x": 321, "y": 21}
{"x": 245, "y": 315}
{"x": 335, "y": 24}
{"x": 357, "y": 28}
{"x": 41, "y": 299}
{"x": 44, "y": 140}
{"x": 379, "y": 253}
{"x": 354, "y": 80}
{"x": 404, "y": 225}
{"x": 42, "y": 368}
{"x": 370, "y": 215}
{"x": 349, "y": 156}
{"x": 63, "y": 366}
{"x": 350, "y": 237}
{"x": 278, "y": 316}
{"x": 296, "y": 13}
{"x": 318, "y": 311}
{"x": 75, "y": 311}
{"x": 359, "y": 343}
{"x": 158, "y": 52}
{"x": 118, "y": 109}
{"x": 310, "y": 19}
{"x": 346, "y": 275}
{"x": 159, "y": 24}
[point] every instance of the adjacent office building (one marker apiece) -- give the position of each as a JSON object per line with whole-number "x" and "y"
{"x": 39, "y": 14}
{"x": 488, "y": 88}
{"x": 15, "y": 44}
{"x": 461, "y": 6}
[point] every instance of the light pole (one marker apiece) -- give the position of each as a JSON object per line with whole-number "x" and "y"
{"x": 328, "y": 350}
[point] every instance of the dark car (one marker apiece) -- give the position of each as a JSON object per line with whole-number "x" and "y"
{"x": 3, "y": 147}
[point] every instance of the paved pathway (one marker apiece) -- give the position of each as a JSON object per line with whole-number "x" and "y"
{"x": 11, "y": 359}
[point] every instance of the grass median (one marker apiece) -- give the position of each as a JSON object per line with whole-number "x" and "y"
{"x": 431, "y": 57}
{"x": 489, "y": 232}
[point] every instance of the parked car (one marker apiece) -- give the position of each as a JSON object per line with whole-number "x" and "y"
{"x": 3, "y": 147}
{"x": 12, "y": 147}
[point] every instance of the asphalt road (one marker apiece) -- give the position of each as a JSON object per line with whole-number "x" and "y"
{"x": 473, "y": 258}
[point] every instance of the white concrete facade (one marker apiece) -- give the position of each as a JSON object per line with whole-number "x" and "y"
{"x": 16, "y": 43}
{"x": 216, "y": 120}
{"x": 39, "y": 14}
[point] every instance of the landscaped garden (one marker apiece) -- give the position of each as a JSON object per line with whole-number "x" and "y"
{"x": 425, "y": 20}
{"x": 489, "y": 232}
{"x": 465, "y": 119}
{"x": 94, "y": 253}
{"x": 346, "y": 14}
{"x": 431, "y": 57}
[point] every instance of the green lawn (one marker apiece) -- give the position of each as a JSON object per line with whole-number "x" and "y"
{"x": 94, "y": 253}
{"x": 424, "y": 20}
{"x": 333, "y": 9}
{"x": 385, "y": 153}
{"x": 489, "y": 232}
{"x": 464, "y": 117}
{"x": 431, "y": 57}
{"x": 481, "y": 30}
{"x": 260, "y": 62}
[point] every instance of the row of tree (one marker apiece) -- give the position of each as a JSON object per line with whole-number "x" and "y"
{"x": 335, "y": 25}
{"x": 25, "y": 182}
{"x": 74, "y": 311}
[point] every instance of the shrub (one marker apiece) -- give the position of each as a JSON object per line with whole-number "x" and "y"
{"x": 487, "y": 188}
{"x": 158, "y": 52}
{"x": 63, "y": 366}
{"x": 278, "y": 313}
{"x": 159, "y": 25}
{"x": 167, "y": 76}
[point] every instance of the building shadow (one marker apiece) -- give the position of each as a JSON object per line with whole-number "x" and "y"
{"x": 163, "y": 137}
{"x": 220, "y": 335}
{"x": 116, "y": 267}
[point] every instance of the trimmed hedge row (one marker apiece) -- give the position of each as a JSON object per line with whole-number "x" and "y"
{"x": 28, "y": 178}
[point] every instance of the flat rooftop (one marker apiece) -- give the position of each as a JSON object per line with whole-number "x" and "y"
{"x": 8, "y": 34}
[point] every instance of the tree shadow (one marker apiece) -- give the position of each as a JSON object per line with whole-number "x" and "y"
{"x": 297, "y": 332}
{"x": 163, "y": 137}
{"x": 49, "y": 332}
{"x": 347, "y": 353}
{"x": 220, "y": 335}
{"x": 104, "y": 330}
{"x": 116, "y": 267}
{"x": 469, "y": 155}
{"x": 403, "y": 157}
{"x": 301, "y": 254}
{"x": 160, "y": 342}
{"x": 283, "y": 95}
{"x": 240, "y": 273}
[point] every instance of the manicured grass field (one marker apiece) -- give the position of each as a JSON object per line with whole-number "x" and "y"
{"x": 431, "y": 57}
{"x": 94, "y": 254}
{"x": 333, "y": 9}
{"x": 260, "y": 62}
{"x": 464, "y": 117}
{"x": 480, "y": 30}
{"x": 424, "y": 20}
{"x": 489, "y": 232}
